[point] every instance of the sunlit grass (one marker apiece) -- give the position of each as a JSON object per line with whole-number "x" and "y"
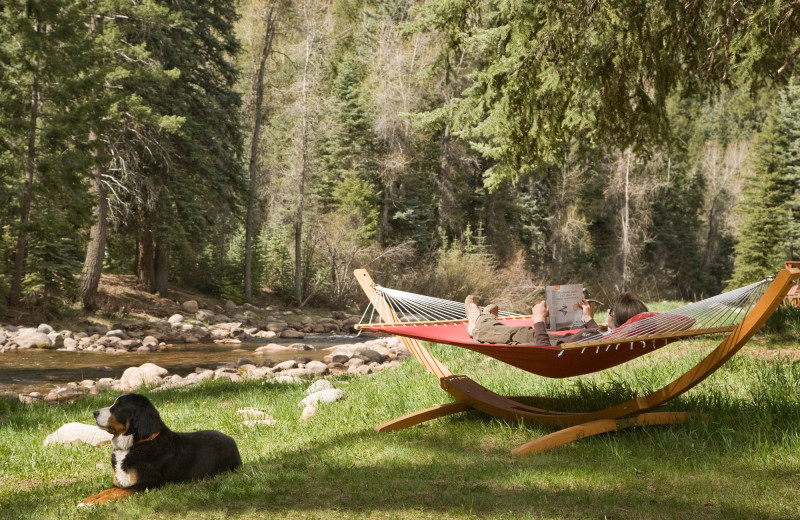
{"x": 740, "y": 462}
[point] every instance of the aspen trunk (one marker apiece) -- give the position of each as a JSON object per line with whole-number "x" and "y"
{"x": 258, "y": 116}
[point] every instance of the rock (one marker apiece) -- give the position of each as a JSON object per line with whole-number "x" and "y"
{"x": 370, "y": 356}
{"x": 175, "y": 319}
{"x": 277, "y": 326}
{"x": 301, "y": 373}
{"x": 190, "y": 306}
{"x": 322, "y": 384}
{"x": 78, "y": 433}
{"x": 150, "y": 341}
{"x": 148, "y": 374}
{"x": 204, "y": 315}
{"x": 323, "y": 396}
{"x": 33, "y": 340}
{"x": 317, "y": 367}
{"x": 340, "y": 358}
{"x": 272, "y": 347}
{"x": 229, "y": 376}
{"x": 116, "y": 333}
{"x": 249, "y": 412}
{"x": 301, "y": 346}
{"x": 286, "y": 365}
{"x": 44, "y": 328}
{"x": 56, "y": 339}
{"x": 292, "y": 334}
{"x": 308, "y": 412}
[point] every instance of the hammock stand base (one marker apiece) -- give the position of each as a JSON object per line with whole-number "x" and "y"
{"x": 638, "y": 411}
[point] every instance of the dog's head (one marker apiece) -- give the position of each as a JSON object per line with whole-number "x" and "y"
{"x": 130, "y": 414}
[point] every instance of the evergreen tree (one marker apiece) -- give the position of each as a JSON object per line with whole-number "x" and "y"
{"x": 767, "y": 207}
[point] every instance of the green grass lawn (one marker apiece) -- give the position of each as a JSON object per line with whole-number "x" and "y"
{"x": 742, "y": 461}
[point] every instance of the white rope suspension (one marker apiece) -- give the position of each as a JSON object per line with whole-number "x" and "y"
{"x": 718, "y": 312}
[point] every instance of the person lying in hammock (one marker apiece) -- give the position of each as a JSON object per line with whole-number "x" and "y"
{"x": 485, "y": 327}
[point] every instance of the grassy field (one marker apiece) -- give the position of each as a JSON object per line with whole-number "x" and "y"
{"x": 742, "y": 462}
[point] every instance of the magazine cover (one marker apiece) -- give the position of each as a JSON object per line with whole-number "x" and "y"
{"x": 565, "y": 309}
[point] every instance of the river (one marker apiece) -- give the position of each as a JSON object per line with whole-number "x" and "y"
{"x": 40, "y": 370}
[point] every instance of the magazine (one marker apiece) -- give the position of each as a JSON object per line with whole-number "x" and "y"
{"x": 564, "y": 304}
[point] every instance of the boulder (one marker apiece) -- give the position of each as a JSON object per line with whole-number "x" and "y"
{"x": 292, "y": 334}
{"x": 33, "y": 340}
{"x": 148, "y": 374}
{"x": 190, "y": 306}
{"x": 204, "y": 315}
{"x": 78, "y": 433}
{"x": 175, "y": 319}
{"x": 317, "y": 367}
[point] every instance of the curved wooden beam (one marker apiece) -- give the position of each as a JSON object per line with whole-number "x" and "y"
{"x": 421, "y": 416}
{"x": 581, "y": 431}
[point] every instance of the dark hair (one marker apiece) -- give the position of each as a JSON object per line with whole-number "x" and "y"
{"x": 624, "y": 307}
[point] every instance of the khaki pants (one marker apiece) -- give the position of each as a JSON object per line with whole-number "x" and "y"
{"x": 489, "y": 330}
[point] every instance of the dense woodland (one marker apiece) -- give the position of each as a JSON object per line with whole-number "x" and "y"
{"x": 269, "y": 147}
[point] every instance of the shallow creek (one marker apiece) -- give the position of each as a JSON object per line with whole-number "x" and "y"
{"x": 39, "y": 370}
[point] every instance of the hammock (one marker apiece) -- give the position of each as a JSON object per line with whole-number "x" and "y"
{"x": 737, "y": 314}
{"x": 443, "y": 321}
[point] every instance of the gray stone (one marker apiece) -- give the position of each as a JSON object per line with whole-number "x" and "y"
{"x": 204, "y": 315}
{"x": 190, "y": 306}
{"x": 45, "y": 328}
{"x": 317, "y": 367}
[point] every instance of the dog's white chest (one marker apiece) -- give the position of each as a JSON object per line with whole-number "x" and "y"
{"x": 121, "y": 448}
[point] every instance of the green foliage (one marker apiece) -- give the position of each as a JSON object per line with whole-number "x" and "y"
{"x": 278, "y": 263}
{"x": 767, "y": 213}
{"x": 553, "y": 71}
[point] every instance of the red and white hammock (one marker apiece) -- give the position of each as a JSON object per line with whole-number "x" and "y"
{"x": 443, "y": 321}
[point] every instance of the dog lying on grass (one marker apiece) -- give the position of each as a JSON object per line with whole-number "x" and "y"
{"x": 147, "y": 454}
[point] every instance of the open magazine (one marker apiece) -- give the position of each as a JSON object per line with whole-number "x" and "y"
{"x": 565, "y": 309}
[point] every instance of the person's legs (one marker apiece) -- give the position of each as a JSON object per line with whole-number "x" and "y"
{"x": 489, "y": 330}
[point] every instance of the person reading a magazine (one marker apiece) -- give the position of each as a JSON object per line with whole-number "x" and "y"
{"x": 485, "y": 327}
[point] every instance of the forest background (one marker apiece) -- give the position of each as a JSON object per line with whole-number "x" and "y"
{"x": 266, "y": 148}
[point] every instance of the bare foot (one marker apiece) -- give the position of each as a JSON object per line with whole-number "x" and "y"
{"x": 472, "y": 311}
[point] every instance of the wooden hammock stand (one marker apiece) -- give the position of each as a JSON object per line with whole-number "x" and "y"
{"x": 634, "y": 412}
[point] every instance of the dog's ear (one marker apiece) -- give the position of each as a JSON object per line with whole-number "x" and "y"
{"x": 146, "y": 422}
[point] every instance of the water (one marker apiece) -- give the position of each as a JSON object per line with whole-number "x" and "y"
{"x": 39, "y": 370}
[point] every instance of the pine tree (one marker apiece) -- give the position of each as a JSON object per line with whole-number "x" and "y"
{"x": 767, "y": 208}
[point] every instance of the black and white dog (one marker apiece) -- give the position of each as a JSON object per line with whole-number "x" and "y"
{"x": 147, "y": 454}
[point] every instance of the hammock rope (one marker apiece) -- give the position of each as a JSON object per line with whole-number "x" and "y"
{"x": 719, "y": 313}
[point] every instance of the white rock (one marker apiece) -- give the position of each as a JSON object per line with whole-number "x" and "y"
{"x": 148, "y": 374}
{"x": 308, "y": 412}
{"x": 175, "y": 319}
{"x": 323, "y": 396}
{"x": 78, "y": 433}
{"x": 248, "y": 412}
{"x": 318, "y": 386}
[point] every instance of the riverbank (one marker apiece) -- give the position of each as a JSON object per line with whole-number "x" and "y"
{"x": 258, "y": 342}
